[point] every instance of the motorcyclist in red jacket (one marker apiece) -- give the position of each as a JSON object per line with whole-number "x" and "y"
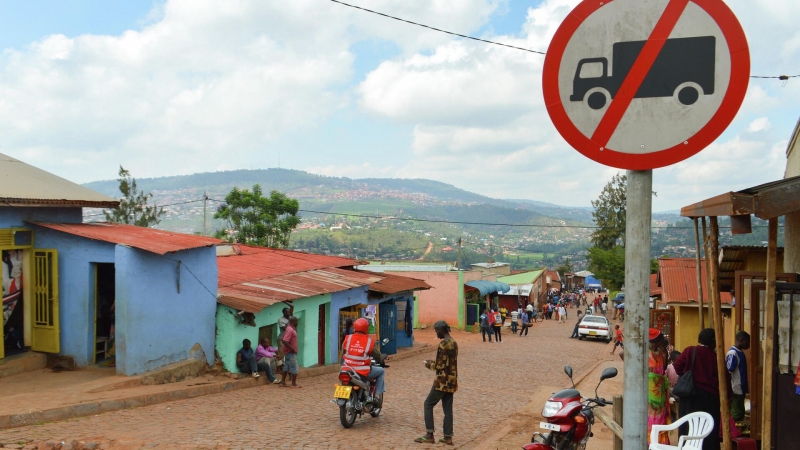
{"x": 358, "y": 348}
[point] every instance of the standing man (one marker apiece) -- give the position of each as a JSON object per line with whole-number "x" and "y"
{"x": 497, "y": 325}
{"x": 575, "y": 330}
{"x": 604, "y": 308}
{"x": 736, "y": 362}
{"x": 562, "y": 314}
{"x": 290, "y": 348}
{"x": 283, "y": 321}
{"x": 486, "y": 328}
{"x": 445, "y": 384}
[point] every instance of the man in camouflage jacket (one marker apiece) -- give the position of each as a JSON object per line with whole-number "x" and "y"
{"x": 445, "y": 384}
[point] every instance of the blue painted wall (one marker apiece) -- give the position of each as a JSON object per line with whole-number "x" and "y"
{"x": 339, "y": 300}
{"x": 76, "y": 286}
{"x": 11, "y": 217}
{"x": 156, "y": 325}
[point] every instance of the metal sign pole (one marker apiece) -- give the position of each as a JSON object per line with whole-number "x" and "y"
{"x": 637, "y": 306}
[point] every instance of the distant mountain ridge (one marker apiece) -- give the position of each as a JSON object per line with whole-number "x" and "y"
{"x": 304, "y": 184}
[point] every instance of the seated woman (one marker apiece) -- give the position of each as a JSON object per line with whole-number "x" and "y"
{"x": 265, "y": 356}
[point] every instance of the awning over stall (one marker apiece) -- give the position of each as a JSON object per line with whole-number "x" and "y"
{"x": 488, "y": 287}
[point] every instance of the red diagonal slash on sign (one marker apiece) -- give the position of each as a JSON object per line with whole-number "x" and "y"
{"x": 610, "y": 121}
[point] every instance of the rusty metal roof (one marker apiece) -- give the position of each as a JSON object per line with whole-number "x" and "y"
{"x": 252, "y": 278}
{"x": 392, "y": 284}
{"x": 22, "y": 184}
{"x": 655, "y": 289}
{"x": 678, "y": 280}
{"x": 254, "y": 295}
{"x": 149, "y": 239}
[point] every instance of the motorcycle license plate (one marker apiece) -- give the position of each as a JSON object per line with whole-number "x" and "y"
{"x": 342, "y": 391}
{"x": 593, "y": 333}
{"x": 550, "y": 426}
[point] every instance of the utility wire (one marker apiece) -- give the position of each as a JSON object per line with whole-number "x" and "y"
{"x": 159, "y": 206}
{"x": 783, "y": 78}
{"x": 438, "y": 29}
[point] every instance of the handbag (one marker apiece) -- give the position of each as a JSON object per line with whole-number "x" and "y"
{"x": 685, "y": 385}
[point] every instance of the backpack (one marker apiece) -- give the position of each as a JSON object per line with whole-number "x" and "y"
{"x": 498, "y": 319}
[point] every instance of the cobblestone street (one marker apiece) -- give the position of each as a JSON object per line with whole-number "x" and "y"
{"x": 495, "y": 380}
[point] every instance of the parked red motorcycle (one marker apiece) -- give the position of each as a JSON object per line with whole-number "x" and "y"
{"x": 569, "y": 417}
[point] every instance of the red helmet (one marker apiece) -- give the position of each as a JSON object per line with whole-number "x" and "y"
{"x": 361, "y": 326}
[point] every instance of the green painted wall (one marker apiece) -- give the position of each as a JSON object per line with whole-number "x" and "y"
{"x": 231, "y": 332}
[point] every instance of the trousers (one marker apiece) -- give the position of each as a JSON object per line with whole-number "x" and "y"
{"x": 446, "y": 398}
{"x": 377, "y": 373}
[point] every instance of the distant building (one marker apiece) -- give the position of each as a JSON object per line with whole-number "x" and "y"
{"x": 497, "y": 268}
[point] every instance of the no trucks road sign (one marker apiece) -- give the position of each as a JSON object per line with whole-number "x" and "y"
{"x": 642, "y": 84}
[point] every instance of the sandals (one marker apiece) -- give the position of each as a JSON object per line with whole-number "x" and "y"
{"x": 423, "y": 440}
{"x": 444, "y": 441}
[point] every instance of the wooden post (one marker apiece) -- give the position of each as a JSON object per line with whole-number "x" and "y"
{"x": 699, "y": 274}
{"x": 706, "y": 237}
{"x": 769, "y": 333}
{"x": 618, "y": 419}
{"x": 725, "y": 406}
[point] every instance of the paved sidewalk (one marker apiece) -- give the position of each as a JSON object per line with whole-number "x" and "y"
{"x": 45, "y": 395}
{"x": 495, "y": 382}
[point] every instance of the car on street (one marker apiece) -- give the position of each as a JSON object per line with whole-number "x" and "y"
{"x": 594, "y": 327}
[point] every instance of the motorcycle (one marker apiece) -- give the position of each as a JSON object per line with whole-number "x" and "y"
{"x": 569, "y": 417}
{"x": 356, "y": 395}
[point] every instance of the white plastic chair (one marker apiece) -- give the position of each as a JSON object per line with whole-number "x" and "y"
{"x": 700, "y": 425}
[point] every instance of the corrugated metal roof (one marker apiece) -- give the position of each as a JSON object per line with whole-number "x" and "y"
{"x": 392, "y": 284}
{"x": 678, "y": 280}
{"x": 149, "y": 239}
{"x": 254, "y": 295}
{"x": 252, "y": 278}
{"x": 521, "y": 278}
{"x": 655, "y": 289}
{"x": 22, "y": 184}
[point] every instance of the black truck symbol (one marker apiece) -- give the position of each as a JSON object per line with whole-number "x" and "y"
{"x": 681, "y": 60}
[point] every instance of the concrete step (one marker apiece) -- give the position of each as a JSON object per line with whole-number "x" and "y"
{"x": 24, "y": 362}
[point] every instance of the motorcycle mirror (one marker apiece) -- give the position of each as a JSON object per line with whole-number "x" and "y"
{"x": 568, "y": 370}
{"x": 609, "y": 372}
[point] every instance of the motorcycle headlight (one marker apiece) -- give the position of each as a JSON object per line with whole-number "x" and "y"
{"x": 551, "y": 408}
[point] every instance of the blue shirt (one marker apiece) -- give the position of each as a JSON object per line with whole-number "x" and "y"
{"x": 736, "y": 363}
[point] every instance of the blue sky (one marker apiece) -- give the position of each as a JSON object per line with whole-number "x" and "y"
{"x": 182, "y": 86}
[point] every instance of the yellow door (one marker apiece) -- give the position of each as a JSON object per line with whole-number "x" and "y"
{"x": 45, "y": 330}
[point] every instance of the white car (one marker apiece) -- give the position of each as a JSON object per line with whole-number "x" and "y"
{"x": 594, "y": 327}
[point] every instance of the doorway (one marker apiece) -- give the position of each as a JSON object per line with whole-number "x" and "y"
{"x": 13, "y": 300}
{"x": 105, "y": 315}
{"x": 321, "y": 336}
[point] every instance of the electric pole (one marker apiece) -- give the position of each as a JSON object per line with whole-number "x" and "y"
{"x": 205, "y": 203}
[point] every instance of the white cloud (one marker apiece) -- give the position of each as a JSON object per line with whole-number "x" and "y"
{"x": 480, "y": 123}
{"x": 206, "y": 85}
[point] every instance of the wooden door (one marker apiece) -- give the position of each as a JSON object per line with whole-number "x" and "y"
{"x": 45, "y": 327}
{"x": 664, "y": 321}
{"x": 321, "y": 336}
{"x": 753, "y": 323}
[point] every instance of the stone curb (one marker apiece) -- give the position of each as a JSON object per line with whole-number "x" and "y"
{"x": 136, "y": 401}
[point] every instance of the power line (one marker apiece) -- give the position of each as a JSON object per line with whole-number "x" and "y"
{"x": 161, "y": 206}
{"x": 438, "y": 29}
{"x": 783, "y": 78}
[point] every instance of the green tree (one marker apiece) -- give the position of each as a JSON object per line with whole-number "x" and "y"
{"x": 566, "y": 267}
{"x": 608, "y": 265}
{"x": 134, "y": 207}
{"x": 609, "y": 213}
{"x": 254, "y": 219}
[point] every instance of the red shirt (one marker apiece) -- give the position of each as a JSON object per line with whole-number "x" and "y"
{"x": 619, "y": 335}
{"x": 704, "y": 372}
{"x": 291, "y": 337}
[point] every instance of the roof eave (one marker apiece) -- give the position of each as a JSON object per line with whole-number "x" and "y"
{"x": 28, "y": 202}
{"x": 728, "y": 204}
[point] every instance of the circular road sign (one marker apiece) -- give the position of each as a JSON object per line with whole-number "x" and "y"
{"x": 644, "y": 84}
